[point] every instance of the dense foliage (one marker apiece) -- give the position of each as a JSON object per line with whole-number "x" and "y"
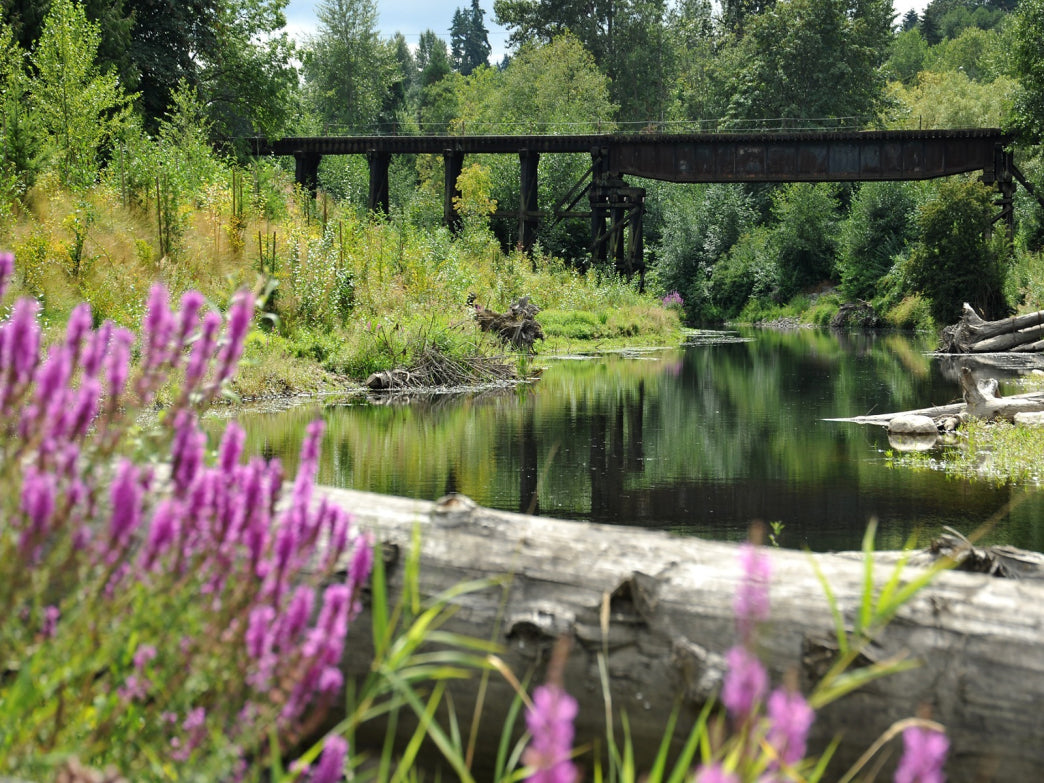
{"x": 96, "y": 92}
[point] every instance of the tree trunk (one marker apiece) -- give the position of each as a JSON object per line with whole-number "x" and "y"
{"x": 973, "y": 334}
{"x": 661, "y": 605}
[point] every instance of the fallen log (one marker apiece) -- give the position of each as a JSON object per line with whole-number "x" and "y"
{"x": 660, "y": 605}
{"x": 974, "y": 335}
{"x": 982, "y": 402}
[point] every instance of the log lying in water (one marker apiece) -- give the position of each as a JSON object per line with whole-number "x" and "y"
{"x": 669, "y": 607}
{"x": 1023, "y": 333}
{"x": 980, "y": 401}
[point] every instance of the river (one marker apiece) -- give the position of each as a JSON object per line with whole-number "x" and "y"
{"x": 700, "y": 439}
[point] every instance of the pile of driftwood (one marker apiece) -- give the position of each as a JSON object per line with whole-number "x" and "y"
{"x": 434, "y": 369}
{"x": 517, "y": 327}
{"x": 1022, "y": 334}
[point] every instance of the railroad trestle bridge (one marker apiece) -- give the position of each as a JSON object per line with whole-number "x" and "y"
{"x": 615, "y": 208}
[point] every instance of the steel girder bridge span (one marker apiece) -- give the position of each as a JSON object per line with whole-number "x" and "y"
{"x": 615, "y": 209}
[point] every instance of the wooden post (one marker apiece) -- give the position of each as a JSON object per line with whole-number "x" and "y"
{"x": 528, "y": 208}
{"x": 453, "y": 161}
{"x": 306, "y": 170}
{"x": 378, "y": 200}
{"x": 599, "y": 205}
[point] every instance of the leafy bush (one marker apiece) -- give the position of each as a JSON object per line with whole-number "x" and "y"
{"x": 954, "y": 260}
{"x": 878, "y": 227}
{"x": 700, "y": 226}
{"x": 804, "y": 238}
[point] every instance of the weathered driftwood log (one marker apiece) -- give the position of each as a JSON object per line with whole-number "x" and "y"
{"x": 982, "y": 402}
{"x": 668, "y": 603}
{"x": 974, "y": 335}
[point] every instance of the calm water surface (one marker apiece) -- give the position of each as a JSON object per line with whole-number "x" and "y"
{"x": 700, "y": 439}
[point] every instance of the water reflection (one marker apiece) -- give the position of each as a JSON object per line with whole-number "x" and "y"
{"x": 701, "y": 439}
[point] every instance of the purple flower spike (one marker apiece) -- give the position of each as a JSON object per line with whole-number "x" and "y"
{"x": 231, "y": 447}
{"x": 188, "y": 320}
{"x": 94, "y": 352}
{"x": 924, "y": 754}
{"x": 751, "y": 605}
{"x": 78, "y": 327}
{"x": 157, "y": 327}
{"x": 21, "y": 338}
{"x": 117, "y": 363}
{"x": 39, "y": 492}
{"x": 126, "y": 495}
{"x": 239, "y": 317}
{"x": 550, "y": 722}
{"x": 162, "y": 533}
{"x": 745, "y": 683}
{"x": 715, "y": 773}
{"x": 330, "y": 768}
{"x": 790, "y": 718}
{"x": 203, "y": 350}
{"x": 50, "y": 621}
{"x": 7, "y": 261}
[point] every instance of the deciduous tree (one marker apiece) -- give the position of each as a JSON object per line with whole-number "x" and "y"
{"x": 806, "y": 60}
{"x": 348, "y": 68}
{"x": 76, "y": 105}
{"x": 1027, "y": 66}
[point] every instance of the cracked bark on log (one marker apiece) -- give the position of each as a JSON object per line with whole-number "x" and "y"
{"x": 980, "y": 639}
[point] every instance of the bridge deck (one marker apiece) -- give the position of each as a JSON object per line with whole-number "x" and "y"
{"x": 708, "y": 157}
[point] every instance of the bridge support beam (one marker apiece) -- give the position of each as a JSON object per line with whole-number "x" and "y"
{"x": 453, "y": 161}
{"x": 378, "y": 201}
{"x": 617, "y": 212}
{"x": 306, "y": 170}
{"x": 599, "y": 205}
{"x": 528, "y": 207}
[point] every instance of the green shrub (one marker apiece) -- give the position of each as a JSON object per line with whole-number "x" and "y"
{"x": 912, "y": 312}
{"x": 878, "y": 227}
{"x": 954, "y": 260}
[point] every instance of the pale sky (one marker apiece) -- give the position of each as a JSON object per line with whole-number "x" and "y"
{"x": 411, "y": 18}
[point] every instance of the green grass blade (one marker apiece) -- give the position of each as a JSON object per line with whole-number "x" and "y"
{"x": 660, "y": 762}
{"x": 866, "y": 604}
{"x": 696, "y": 739}
{"x": 835, "y": 609}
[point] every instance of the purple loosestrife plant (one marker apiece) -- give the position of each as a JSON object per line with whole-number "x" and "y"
{"x": 924, "y": 754}
{"x": 168, "y": 593}
{"x": 549, "y": 720}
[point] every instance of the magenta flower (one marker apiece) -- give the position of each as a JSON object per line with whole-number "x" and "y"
{"x": 924, "y": 754}
{"x": 550, "y": 724}
{"x": 78, "y": 328}
{"x": 790, "y": 718}
{"x": 202, "y": 350}
{"x": 50, "y": 621}
{"x": 143, "y": 656}
{"x": 126, "y": 494}
{"x": 751, "y": 604}
{"x": 746, "y": 682}
{"x": 330, "y": 768}
{"x": 240, "y": 314}
{"x": 157, "y": 328}
{"x": 715, "y": 773}
{"x": 6, "y": 271}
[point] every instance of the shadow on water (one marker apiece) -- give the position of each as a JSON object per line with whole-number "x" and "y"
{"x": 701, "y": 440}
